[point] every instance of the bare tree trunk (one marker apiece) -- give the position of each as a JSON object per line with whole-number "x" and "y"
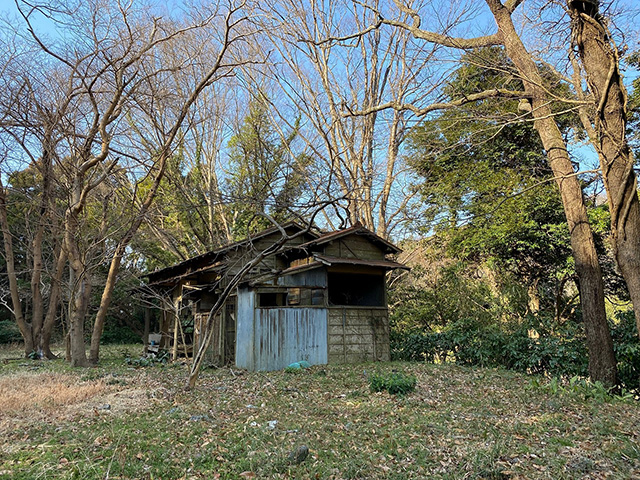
{"x": 105, "y": 300}
{"x": 602, "y": 361}
{"x": 54, "y": 303}
{"x": 24, "y": 326}
{"x": 79, "y": 282}
{"x": 601, "y": 64}
{"x": 37, "y": 315}
{"x": 78, "y": 305}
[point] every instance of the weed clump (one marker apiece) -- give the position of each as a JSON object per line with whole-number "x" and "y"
{"x": 149, "y": 360}
{"x": 396, "y": 383}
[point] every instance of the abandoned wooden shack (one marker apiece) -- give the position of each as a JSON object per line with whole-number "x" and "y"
{"x": 321, "y": 298}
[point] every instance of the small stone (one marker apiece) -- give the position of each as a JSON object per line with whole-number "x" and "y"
{"x": 199, "y": 418}
{"x": 299, "y": 455}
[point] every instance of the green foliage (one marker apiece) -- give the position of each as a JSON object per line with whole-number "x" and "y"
{"x": 9, "y": 332}
{"x": 511, "y": 346}
{"x": 265, "y": 176}
{"x": 626, "y": 346}
{"x": 396, "y": 383}
{"x": 473, "y": 316}
{"x": 116, "y": 332}
{"x": 486, "y": 186}
{"x": 581, "y": 387}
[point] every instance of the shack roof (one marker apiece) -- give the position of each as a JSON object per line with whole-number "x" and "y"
{"x": 357, "y": 229}
{"x": 212, "y": 260}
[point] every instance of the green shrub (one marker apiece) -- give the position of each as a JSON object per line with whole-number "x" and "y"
{"x": 9, "y": 332}
{"x": 627, "y": 348}
{"x": 116, "y": 333}
{"x": 396, "y": 383}
{"x": 508, "y": 345}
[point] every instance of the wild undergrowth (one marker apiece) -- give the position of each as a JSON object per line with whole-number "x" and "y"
{"x": 459, "y": 422}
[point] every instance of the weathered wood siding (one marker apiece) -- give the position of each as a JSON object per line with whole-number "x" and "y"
{"x": 312, "y": 278}
{"x": 286, "y": 335}
{"x": 354, "y": 246}
{"x": 358, "y": 334}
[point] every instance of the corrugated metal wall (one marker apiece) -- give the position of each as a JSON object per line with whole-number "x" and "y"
{"x": 245, "y": 329}
{"x": 287, "y": 335}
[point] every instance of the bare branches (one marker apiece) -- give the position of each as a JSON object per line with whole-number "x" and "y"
{"x": 440, "y": 39}
{"x": 475, "y": 97}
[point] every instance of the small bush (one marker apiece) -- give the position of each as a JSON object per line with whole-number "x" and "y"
{"x": 150, "y": 360}
{"x": 396, "y": 383}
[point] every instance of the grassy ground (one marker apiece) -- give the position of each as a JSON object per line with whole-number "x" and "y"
{"x": 116, "y": 421}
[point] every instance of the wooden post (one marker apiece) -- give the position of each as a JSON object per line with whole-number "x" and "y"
{"x": 147, "y": 324}
{"x": 176, "y": 321}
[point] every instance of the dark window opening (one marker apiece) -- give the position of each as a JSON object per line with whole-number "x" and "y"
{"x": 271, "y": 299}
{"x": 356, "y": 290}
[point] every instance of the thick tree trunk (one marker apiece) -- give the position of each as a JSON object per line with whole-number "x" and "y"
{"x": 602, "y": 362}
{"x": 601, "y": 64}
{"x": 77, "y": 312}
{"x": 37, "y": 315}
{"x": 79, "y": 283}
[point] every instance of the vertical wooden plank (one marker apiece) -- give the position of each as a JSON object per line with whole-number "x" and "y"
{"x": 176, "y": 318}
{"x": 147, "y": 324}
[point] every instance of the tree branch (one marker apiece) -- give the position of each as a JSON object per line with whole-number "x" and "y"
{"x": 493, "y": 93}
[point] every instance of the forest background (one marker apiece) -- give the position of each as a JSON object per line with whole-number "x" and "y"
{"x": 134, "y": 135}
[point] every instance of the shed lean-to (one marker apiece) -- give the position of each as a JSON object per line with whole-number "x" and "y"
{"x": 321, "y": 298}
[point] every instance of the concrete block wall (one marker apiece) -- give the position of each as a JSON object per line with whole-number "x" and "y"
{"x": 358, "y": 334}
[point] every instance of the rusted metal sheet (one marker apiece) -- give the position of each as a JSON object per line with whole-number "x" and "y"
{"x": 286, "y": 335}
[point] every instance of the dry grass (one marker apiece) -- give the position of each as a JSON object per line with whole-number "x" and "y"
{"x": 46, "y": 393}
